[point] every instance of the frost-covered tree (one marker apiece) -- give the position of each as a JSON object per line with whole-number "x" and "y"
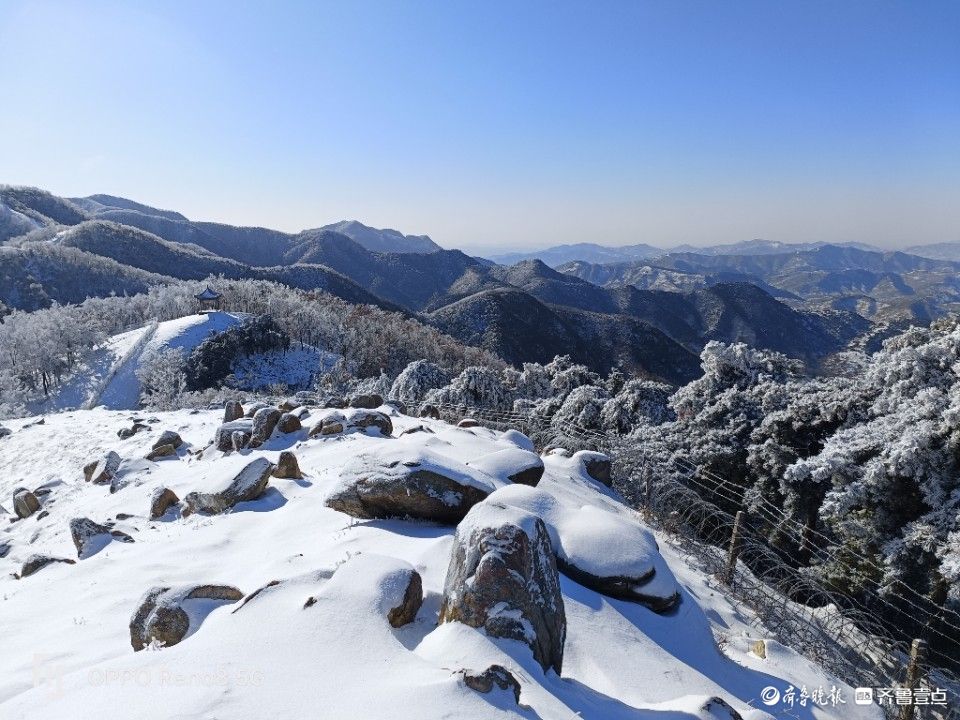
{"x": 417, "y": 379}
{"x": 162, "y": 377}
{"x": 476, "y": 386}
{"x": 637, "y": 403}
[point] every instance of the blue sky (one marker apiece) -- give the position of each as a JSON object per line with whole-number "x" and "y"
{"x": 499, "y": 124}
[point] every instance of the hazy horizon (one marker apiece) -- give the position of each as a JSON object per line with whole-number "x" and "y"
{"x": 500, "y": 127}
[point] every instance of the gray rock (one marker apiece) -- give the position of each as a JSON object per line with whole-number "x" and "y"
{"x": 503, "y": 578}
{"x": 90, "y": 537}
{"x": 125, "y": 433}
{"x": 161, "y": 451}
{"x": 162, "y": 500}
{"x": 4, "y": 432}
{"x": 161, "y": 617}
{"x": 288, "y": 423}
{"x": 399, "y": 405}
{"x": 233, "y": 410}
{"x": 4, "y": 548}
{"x": 289, "y": 404}
{"x": 254, "y": 408}
{"x": 406, "y": 611}
{"x": 248, "y": 484}
{"x": 597, "y": 465}
{"x": 25, "y": 503}
{"x": 366, "y": 401}
{"x": 168, "y": 437}
{"x": 429, "y": 411}
{"x": 239, "y": 439}
{"x": 38, "y": 562}
{"x": 468, "y": 423}
{"x": 331, "y": 401}
{"x": 495, "y": 675}
{"x": 371, "y": 418}
{"x": 223, "y": 438}
{"x": 287, "y": 466}
{"x": 105, "y": 470}
{"x": 264, "y": 422}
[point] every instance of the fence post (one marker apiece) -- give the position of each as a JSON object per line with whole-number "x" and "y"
{"x": 918, "y": 653}
{"x": 734, "y": 552}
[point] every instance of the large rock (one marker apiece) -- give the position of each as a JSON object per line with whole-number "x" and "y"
{"x": 161, "y": 451}
{"x": 168, "y": 437}
{"x": 35, "y": 563}
{"x": 264, "y": 422}
{"x": 162, "y": 500}
{"x": 223, "y": 438}
{"x": 253, "y": 408}
{"x": 162, "y": 615}
{"x": 367, "y": 401}
{"x": 405, "y": 611}
{"x": 428, "y": 410}
{"x": 289, "y": 404}
{"x": 288, "y": 423}
{"x": 422, "y": 487}
{"x": 90, "y": 537}
{"x": 233, "y": 410}
{"x": 597, "y": 465}
{"x": 105, "y": 470}
{"x": 511, "y": 465}
{"x": 248, "y": 484}
{"x": 503, "y": 578}
{"x": 25, "y": 503}
{"x": 353, "y": 420}
{"x": 287, "y": 466}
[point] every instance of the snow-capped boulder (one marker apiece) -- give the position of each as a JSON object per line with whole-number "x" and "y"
{"x": 264, "y": 422}
{"x": 105, "y": 469}
{"x": 166, "y": 615}
{"x": 4, "y": 431}
{"x": 288, "y": 423}
{"x": 248, "y": 484}
{"x": 495, "y": 675}
{"x": 515, "y": 437}
{"x": 91, "y": 537}
{"x": 168, "y": 437}
{"x": 129, "y": 432}
{"x": 468, "y": 423}
{"x": 599, "y": 549}
{"x": 429, "y": 411}
{"x": 511, "y": 465}
{"x": 404, "y": 608}
{"x": 366, "y": 419}
{"x": 422, "y": 485}
{"x": 161, "y": 451}
{"x": 162, "y": 500}
{"x": 289, "y": 404}
{"x": 223, "y": 438}
{"x": 331, "y": 424}
{"x": 239, "y": 439}
{"x": 366, "y": 401}
{"x": 25, "y": 503}
{"x": 253, "y": 408}
{"x": 718, "y": 709}
{"x": 352, "y": 420}
{"x": 287, "y": 466}
{"x": 503, "y": 578}
{"x": 35, "y": 563}
{"x": 233, "y": 410}
{"x": 597, "y": 465}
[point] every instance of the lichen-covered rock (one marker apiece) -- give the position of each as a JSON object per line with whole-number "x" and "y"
{"x": 90, "y": 537}
{"x": 264, "y": 422}
{"x": 233, "y": 410}
{"x": 495, "y": 675}
{"x": 287, "y": 466}
{"x": 366, "y": 401}
{"x": 161, "y": 451}
{"x": 425, "y": 487}
{"x": 162, "y": 500}
{"x": 25, "y": 503}
{"x": 248, "y": 484}
{"x": 161, "y": 616}
{"x": 223, "y": 438}
{"x": 38, "y": 562}
{"x": 503, "y": 578}
{"x": 168, "y": 437}
{"x": 105, "y": 470}
{"x": 511, "y": 465}
{"x": 597, "y": 465}
{"x": 288, "y": 423}
{"x": 429, "y": 411}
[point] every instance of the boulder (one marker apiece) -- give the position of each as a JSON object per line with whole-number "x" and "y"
{"x": 597, "y": 465}
{"x": 161, "y": 451}
{"x": 162, "y": 615}
{"x": 468, "y": 423}
{"x": 287, "y": 466}
{"x": 38, "y": 562}
{"x": 254, "y": 408}
{"x": 371, "y": 419}
{"x": 332, "y": 401}
{"x": 289, "y": 404}
{"x": 4, "y": 431}
{"x": 422, "y": 488}
{"x": 367, "y": 401}
{"x": 88, "y": 470}
{"x": 162, "y": 500}
{"x": 398, "y": 405}
{"x": 719, "y": 709}
{"x": 288, "y": 423}
{"x": 429, "y": 411}
{"x": 495, "y": 675}
{"x": 233, "y": 410}
{"x": 406, "y": 610}
{"x": 104, "y": 472}
{"x": 168, "y": 437}
{"x": 223, "y": 438}
{"x": 305, "y": 397}
{"x": 4, "y": 548}
{"x": 129, "y": 432}
{"x": 511, "y": 465}
{"x": 25, "y": 503}
{"x": 264, "y": 422}
{"x": 330, "y": 425}
{"x": 239, "y": 439}
{"x": 90, "y": 537}
{"x": 417, "y": 429}
{"x": 503, "y": 578}
{"x": 248, "y": 484}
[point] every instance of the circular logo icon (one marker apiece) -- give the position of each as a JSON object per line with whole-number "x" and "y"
{"x": 770, "y": 695}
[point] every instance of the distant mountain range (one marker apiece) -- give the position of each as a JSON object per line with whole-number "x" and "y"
{"x": 650, "y": 316}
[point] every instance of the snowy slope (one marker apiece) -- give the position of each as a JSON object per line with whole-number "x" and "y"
{"x": 67, "y": 650}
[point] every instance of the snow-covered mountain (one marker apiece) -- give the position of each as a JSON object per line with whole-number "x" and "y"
{"x": 202, "y": 582}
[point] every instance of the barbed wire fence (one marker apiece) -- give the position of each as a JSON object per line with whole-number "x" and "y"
{"x": 841, "y": 633}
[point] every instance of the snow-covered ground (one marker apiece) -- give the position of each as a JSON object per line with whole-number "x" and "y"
{"x": 65, "y": 630}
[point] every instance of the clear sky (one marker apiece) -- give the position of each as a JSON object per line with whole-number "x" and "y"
{"x": 494, "y": 124}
